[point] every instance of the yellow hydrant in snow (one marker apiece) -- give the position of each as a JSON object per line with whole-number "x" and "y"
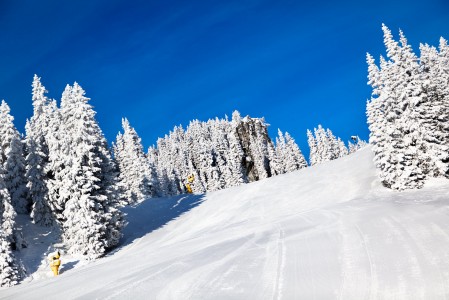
{"x": 55, "y": 262}
{"x": 188, "y": 185}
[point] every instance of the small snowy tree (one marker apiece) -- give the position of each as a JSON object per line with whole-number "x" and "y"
{"x": 324, "y": 146}
{"x": 313, "y": 160}
{"x": 294, "y": 158}
{"x": 136, "y": 175}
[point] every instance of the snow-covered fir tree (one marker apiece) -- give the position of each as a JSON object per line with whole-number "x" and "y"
{"x": 431, "y": 108}
{"x": 408, "y": 113}
{"x": 91, "y": 221}
{"x": 9, "y": 269}
{"x": 342, "y": 149}
{"x": 324, "y": 146}
{"x": 37, "y": 156}
{"x": 137, "y": 176}
{"x": 288, "y": 155}
{"x": 313, "y": 160}
{"x": 13, "y": 161}
{"x": 294, "y": 159}
{"x": 58, "y": 166}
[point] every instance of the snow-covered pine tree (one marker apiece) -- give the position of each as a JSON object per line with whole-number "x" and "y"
{"x": 7, "y": 213}
{"x": 294, "y": 158}
{"x": 15, "y": 176}
{"x": 179, "y": 156}
{"x": 167, "y": 183}
{"x": 136, "y": 176}
{"x": 37, "y": 156}
{"x": 259, "y": 147}
{"x": 9, "y": 269}
{"x": 152, "y": 155}
{"x": 13, "y": 161}
{"x": 313, "y": 159}
{"x": 220, "y": 150}
{"x": 394, "y": 135}
{"x": 376, "y": 110}
{"x": 342, "y": 149}
{"x": 161, "y": 173}
{"x": 273, "y": 159}
{"x": 278, "y": 160}
{"x": 59, "y": 161}
{"x": 236, "y": 117}
{"x": 201, "y": 155}
{"x": 92, "y": 223}
{"x": 324, "y": 146}
{"x": 333, "y": 147}
{"x": 430, "y": 104}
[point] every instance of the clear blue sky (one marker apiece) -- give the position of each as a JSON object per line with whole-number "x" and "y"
{"x": 164, "y": 63}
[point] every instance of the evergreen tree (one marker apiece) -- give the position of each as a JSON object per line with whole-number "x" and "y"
{"x": 396, "y": 138}
{"x": 342, "y": 149}
{"x": 91, "y": 221}
{"x": 59, "y": 162}
{"x": 136, "y": 174}
{"x": 313, "y": 159}
{"x": 220, "y": 149}
{"x": 324, "y": 146}
{"x": 13, "y": 161}
{"x": 9, "y": 269}
{"x": 37, "y": 156}
{"x": 431, "y": 110}
{"x": 294, "y": 158}
{"x": 279, "y": 163}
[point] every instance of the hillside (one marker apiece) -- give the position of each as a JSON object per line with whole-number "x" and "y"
{"x": 330, "y": 231}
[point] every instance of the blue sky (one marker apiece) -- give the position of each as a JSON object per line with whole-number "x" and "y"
{"x": 164, "y": 63}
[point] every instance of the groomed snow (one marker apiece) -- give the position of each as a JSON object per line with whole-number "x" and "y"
{"x": 326, "y": 232}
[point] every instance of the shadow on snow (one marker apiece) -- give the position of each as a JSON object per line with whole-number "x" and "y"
{"x": 67, "y": 266}
{"x": 154, "y": 213}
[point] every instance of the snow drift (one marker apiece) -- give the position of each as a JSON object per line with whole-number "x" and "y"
{"x": 326, "y": 232}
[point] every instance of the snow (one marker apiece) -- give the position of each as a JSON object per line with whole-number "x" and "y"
{"x": 326, "y": 232}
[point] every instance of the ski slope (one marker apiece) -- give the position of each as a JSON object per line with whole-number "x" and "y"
{"x": 327, "y": 232}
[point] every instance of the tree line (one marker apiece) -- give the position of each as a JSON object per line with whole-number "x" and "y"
{"x": 63, "y": 173}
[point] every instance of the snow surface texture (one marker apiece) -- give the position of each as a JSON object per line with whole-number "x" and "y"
{"x": 326, "y": 232}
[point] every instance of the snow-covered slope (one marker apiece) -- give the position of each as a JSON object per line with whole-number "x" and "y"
{"x": 326, "y": 232}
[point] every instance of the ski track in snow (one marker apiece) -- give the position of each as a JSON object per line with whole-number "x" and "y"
{"x": 327, "y": 232}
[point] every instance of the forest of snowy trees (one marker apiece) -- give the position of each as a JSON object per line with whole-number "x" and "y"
{"x": 221, "y": 153}
{"x": 63, "y": 174}
{"x": 408, "y": 113}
